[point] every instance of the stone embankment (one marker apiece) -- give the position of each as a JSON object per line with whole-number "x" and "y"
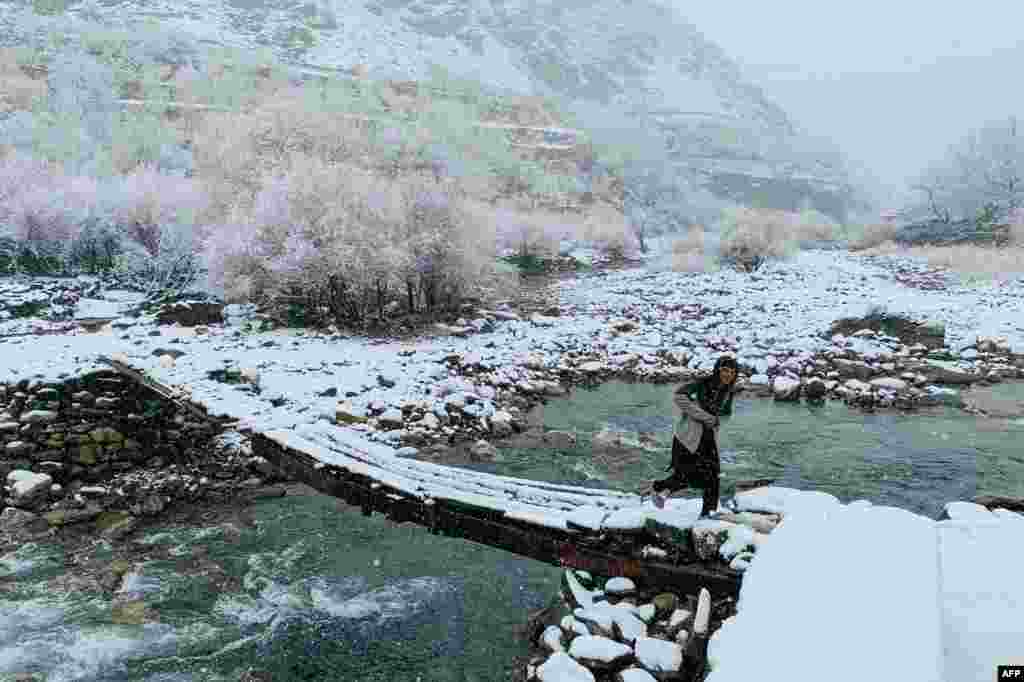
{"x": 102, "y": 451}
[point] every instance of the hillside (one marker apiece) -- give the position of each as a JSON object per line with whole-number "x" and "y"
{"x": 634, "y": 62}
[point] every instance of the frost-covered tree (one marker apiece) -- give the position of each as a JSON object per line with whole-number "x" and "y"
{"x": 982, "y": 174}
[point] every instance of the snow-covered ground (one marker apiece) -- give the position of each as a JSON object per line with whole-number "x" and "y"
{"x": 859, "y": 592}
{"x": 783, "y": 309}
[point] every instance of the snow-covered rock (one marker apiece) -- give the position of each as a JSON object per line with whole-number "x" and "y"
{"x": 786, "y": 389}
{"x": 26, "y": 489}
{"x": 890, "y": 383}
{"x": 599, "y": 652}
{"x": 657, "y": 655}
{"x": 561, "y": 667}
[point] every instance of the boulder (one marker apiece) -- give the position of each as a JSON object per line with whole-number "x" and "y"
{"x": 560, "y": 440}
{"x": 482, "y": 450}
{"x": 191, "y": 314}
{"x": 345, "y": 413}
{"x": 706, "y": 542}
{"x": 815, "y": 389}
{"x": 600, "y": 653}
{"x": 854, "y": 369}
{"x": 501, "y": 423}
{"x": 28, "y": 490}
{"x": 786, "y": 389}
{"x": 391, "y": 419}
{"x": 890, "y": 383}
{"x": 634, "y": 674}
{"x": 561, "y": 667}
{"x": 657, "y": 655}
{"x": 18, "y": 521}
{"x": 940, "y": 372}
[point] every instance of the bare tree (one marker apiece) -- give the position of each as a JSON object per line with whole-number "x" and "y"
{"x": 983, "y": 175}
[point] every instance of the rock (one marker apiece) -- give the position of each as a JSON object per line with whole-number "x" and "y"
{"x": 133, "y": 612}
{"x": 552, "y": 311}
{"x": 600, "y": 653}
{"x": 483, "y": 450}
{"x": 391, "y": 419}
{"x": 657, "y": 655}
{"x": 551, "y": 639}
{"x": 553, "y": 389}
{"x": 501, "y": 423}
{"x": 559, "y": 440}
{"x": 815, "y": 389}
{"x": 38, "y": 417}
{"x": 857, "y": 385}
{"x": 623, "y": 326}
{"x": 28, "y": 490}
{"x": 152, "y": 505}
{"x": 786, "y": 389}
{"x": 114, "y": 525}
{"x": 560, "y": 667}
{"x": 505, "y": 315}
{"x": 607, "y": 439}
{"x": 940, "y": 372}
{"x": 706, "y": 542}
{"x": 853, "y": 369}
{"x": 621, "y": 587}
{"x": 543, "y": 321}
{"x": 18, "y": 521}
{"x": 166, "y": 362}
{"x": 19, "y": 448}
{"x": 191, "y": 314}
{"x": 702, "y": 618}
{"x": 173, "y": 352}
{"x": 889, "y": 383}
{"x": 665, "y": 603}
{"x": 592, "y": 367}
{"x": 448, "y": 330}
{"x": 345, "y": 413}
{"x": 430, "y": 421}
{"x": 634, "y": 675}
{"x": 677, "y": 358}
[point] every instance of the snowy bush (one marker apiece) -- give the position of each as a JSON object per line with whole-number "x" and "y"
{"x": 349, "y": 244}
{"x": 750, "y": 237}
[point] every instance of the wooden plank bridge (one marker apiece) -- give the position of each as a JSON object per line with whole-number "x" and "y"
{"x": 533, "y": 519}
{"x": 528, "y": 518}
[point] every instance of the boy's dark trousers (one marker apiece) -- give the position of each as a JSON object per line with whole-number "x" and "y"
{"x": 700, "y": 470}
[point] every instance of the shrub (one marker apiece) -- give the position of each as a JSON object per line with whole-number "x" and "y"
{"x": 352, "y": 243}
{"x": 692, "y": 252}
{"x": 873, "y": 235}
{"x": 1015, "y": 222}
{"x": 750, "y": 237}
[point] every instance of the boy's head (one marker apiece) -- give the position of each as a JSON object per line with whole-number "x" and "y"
{"x": 726, "y": 370}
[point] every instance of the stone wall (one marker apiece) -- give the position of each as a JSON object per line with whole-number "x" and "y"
{"x": 63, "y": 439}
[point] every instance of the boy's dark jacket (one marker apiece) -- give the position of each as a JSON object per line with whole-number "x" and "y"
{"x": 695, "y": 399}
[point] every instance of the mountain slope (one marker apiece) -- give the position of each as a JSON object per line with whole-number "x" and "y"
{"x": 633, "y": 61}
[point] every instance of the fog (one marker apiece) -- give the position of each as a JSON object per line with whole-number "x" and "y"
{"x": 893, "y": 83}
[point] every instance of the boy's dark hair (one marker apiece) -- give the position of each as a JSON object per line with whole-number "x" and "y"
{"x": 722, "y": 361}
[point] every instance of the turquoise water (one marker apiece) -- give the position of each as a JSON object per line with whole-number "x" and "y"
{"x": 315, "y": 592}
{"x": 914, "y": 461}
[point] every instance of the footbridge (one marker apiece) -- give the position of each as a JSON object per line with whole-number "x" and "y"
{"x": 602, "y": 531}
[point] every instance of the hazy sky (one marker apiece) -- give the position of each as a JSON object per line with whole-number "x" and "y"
{"x": 892, "y": 81}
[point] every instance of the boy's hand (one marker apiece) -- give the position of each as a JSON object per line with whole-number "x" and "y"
{"x": 714, "y": 423}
